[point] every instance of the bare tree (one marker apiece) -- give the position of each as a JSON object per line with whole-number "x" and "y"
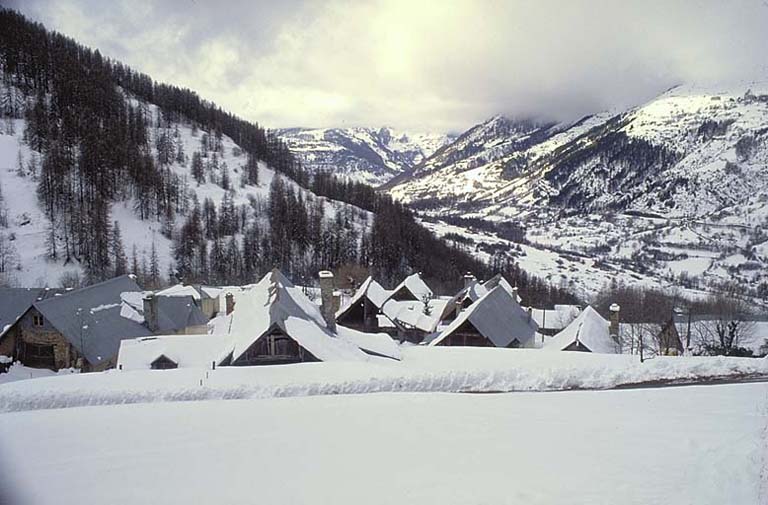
{"x": 729, "y": 328}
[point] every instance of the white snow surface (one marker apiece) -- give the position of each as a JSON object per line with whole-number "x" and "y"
{"x": 422, "y": 369}
{"x": 701, "y": 445}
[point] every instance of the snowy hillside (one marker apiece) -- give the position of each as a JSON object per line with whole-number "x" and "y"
{"x": 23, "y": 243}
{"x": 675, "y": 188}
{"x": 369, "y": 155}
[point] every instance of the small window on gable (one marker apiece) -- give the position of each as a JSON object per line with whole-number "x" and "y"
{"x": 37, "y": 320}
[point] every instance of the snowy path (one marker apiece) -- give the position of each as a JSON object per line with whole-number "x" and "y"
{"x": 673, "y": 446}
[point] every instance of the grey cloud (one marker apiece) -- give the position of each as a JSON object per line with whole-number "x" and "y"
{"x": 422, "y": 65}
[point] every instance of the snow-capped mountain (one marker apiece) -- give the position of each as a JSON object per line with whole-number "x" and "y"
{"x": 370, "y": 155}
{"x": 690, "y": 167}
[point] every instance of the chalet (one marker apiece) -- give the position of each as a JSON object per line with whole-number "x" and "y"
{"x": 494, "y": 320}
{"x": 14, "y": 304}
{"x": 589, "y": 332}
{"x": 362, "y": 310}
{"x": 412, "y": 288}
{"x": 83, "y": 328}
{"x": 269, "y": 323}
{"x": 408, "y": 312}
{"x": 471, "y": 292}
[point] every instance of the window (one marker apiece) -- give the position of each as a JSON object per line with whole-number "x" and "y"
{"x": 163, "y": 363}
{"x": 37, "y": 320}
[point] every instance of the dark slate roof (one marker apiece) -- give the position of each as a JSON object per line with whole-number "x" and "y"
{"x": 14, "y": 303}
{"x": 178, "y": 312}
{"x": 89, "y": 318}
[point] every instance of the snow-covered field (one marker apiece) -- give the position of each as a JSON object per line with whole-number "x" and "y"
{"x": 688, "y": 445}
{"x": 422, "y": 369}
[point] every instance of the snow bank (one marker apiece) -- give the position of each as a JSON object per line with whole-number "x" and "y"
{"x": 19, "y": 372}
{"x": 423, "y": 369}
{"x": 696, "y": 445}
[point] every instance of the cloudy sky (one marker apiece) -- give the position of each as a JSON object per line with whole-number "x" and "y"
{"x": 416, "y": 64}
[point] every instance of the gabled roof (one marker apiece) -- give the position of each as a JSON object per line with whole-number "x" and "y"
{"x": 589, "y": 329}
{"x": 90, "y": 318}
{"x": 497, "y": 316}
{"x": 14, "y": 303}
{"x": 276, "y": 301}
{"x": 499, "y": 280}
{"x": 415, "y": 285}
{"x": 369, "y": 289}
{"x": 472, "y": 292}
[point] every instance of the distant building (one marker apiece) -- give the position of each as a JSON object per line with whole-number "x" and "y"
{"x": 496, "y": 319}
{"x": 589, "y": 332}
{"x": 83, "y": 328}
{"x": 269, "y": 323}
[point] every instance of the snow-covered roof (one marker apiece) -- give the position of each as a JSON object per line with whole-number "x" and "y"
{"x": 472, "y": 292}
{"x": 589, "y": 329}
{"x": 499, "y": 280}
{"x": 272, "y": 302}
{"x": 197, "y": 351}
{"x": 378, "y": 344}
{"x": 497, "y": 316}
{"x": 410, "y": 314}
{"x": 196, "y": 292}
{"x": 415, "y": 285}
{"x": 368, "y": 289}
{"x": 275, "y": 301}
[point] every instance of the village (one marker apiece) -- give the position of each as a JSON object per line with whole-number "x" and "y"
{"x": 117, "y": 325}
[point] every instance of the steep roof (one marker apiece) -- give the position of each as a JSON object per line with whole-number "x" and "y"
{"x": 90, "y": 318}
{"x": 472, "y": 292}
{"x": 369, "y": 289}
{"x": 272, "y": 302}
{"x": 497, "y": 316}
{"x": 14, "y": 303}
{"x": 415, "y": 285}
{"x": 276, "y": 301}
{"x": 499, "y": 280}
{"x": 589, "y": 329}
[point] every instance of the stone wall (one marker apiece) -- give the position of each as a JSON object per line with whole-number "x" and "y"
{"x": 63, "y": 355}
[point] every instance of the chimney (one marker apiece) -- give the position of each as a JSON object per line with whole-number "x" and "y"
{"x": 229, "y": 303}
{"x": 150, "y": 311}
{"x": 336, "y": 301}
{"x": 468, "y": 279}
{"x": 613, "y": 329}
{"x": 326, "y": 298}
